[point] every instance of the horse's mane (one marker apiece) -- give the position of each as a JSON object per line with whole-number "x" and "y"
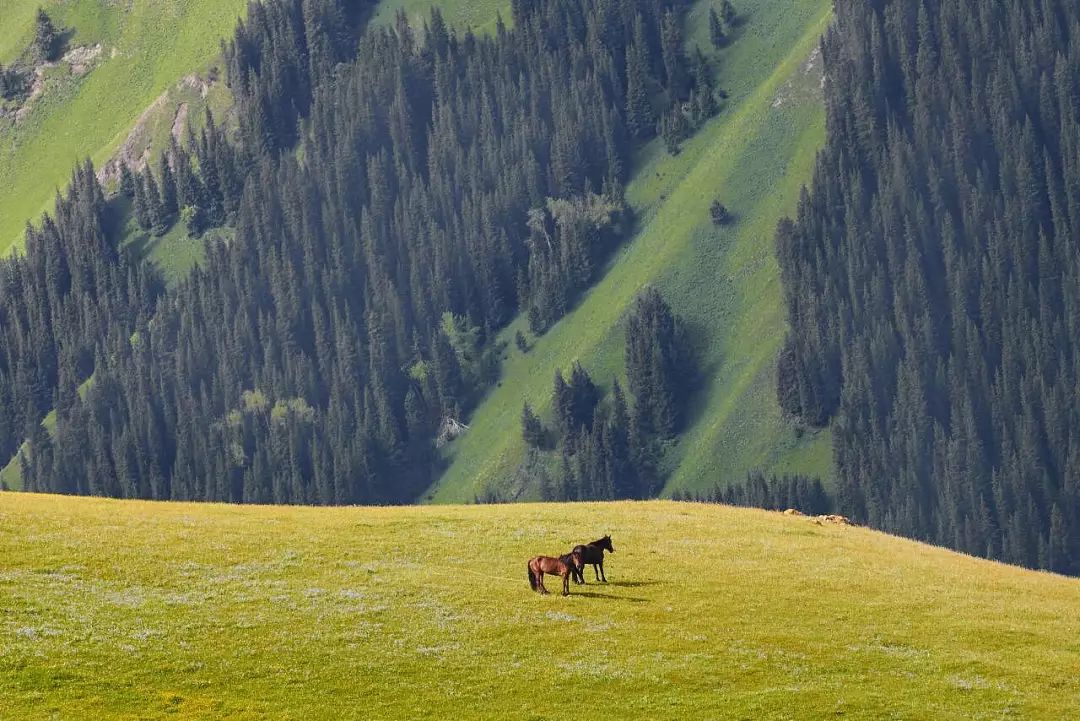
{"x": 598, "y": 541}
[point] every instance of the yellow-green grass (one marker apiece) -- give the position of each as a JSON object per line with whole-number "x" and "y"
{"x": 755, "y": 157}
{"x": 147, "y": 48}
{"x": 131, "y": 610}
{"x": 479, "y": 15}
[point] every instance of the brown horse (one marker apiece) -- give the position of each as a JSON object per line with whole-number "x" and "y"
{"x": 565, "y": 566}
{"x": 593, "y": 553}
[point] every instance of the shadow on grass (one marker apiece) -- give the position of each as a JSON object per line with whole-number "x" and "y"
{"x": 635, "y": 584}
{"x": 608, "y": 596}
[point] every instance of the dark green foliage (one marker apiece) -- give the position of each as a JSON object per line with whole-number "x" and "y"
{"x": 157, "y": 217}
{"x": 719, "y": 213}
{"x": 194, "y": 219}
{"x": 932, "y": 276}
{"x": 278, "y": 56}
{"x": 639, "y": 111}
{"x": 716, "y": 29}
{"x": 674, "y": 128}
{"x": 48, "y": 42}
{"x": 610, "y": 450}
{"x": 169, "y": 206}
{"x": 347, "y": 322}
{"x": 671, "y": 44}
{"x": 61, "y": 303}
{"x": 771, "y": 493}
{"x": 567, "y": 239}
{"x": 532, "y": 430}
{"x": 127, "y": 181}
{"x": 13, "y": 83}
{"x": 684, "y": 117}
{"x": 574, "y": 401}
{"x": 520, "y": 342}
{"x": 659, "y": 365}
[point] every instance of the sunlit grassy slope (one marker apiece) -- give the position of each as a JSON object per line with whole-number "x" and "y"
{"x": 136, "y": 610}
{"x": 147, "y": 47}
{"x": 724, "y": 282}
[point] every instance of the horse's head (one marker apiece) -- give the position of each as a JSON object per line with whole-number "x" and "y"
{"x": 577, "y": 561}
{"x": 605, "y": 543}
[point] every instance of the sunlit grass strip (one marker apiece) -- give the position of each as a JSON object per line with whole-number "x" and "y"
{"x": 155, "y": 610}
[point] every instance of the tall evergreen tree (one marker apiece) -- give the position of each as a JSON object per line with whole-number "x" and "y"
{"x": 47, "y": 39}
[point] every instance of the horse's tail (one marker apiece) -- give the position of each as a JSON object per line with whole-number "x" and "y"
{"x": 532, "y": 576}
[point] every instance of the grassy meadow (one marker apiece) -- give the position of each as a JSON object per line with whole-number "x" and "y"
{"x": 116, "y": 609}
{"x": 755, "y": 156}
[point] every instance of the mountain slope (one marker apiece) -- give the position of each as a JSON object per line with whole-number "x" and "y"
{"x": 755, "y": 156}
{"x": 33, "y": 158}
{"x": 121, "y": 609}
{"x": 146, "y": 48}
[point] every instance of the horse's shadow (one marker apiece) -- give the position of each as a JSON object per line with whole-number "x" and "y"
{"x": 634, "y": 584}
{"x": 593, "y": 594}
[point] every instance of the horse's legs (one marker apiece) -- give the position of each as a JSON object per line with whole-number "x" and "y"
{"x": 566, "y": 584}
{"x": 602, "y": 572}
{"x": 596, "y": 570}
{"x": 540, "y": 576}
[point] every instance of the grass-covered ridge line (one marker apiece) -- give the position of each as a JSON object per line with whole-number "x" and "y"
{"x": 755, "y": 156}
{"x": 147, "y": 47}
{"x": 129, "y": 609}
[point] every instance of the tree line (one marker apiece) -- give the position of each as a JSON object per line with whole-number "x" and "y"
{"x": 396, "y": 199}
{"x": 932, "y": 275}
{"x": 773, "y": 493}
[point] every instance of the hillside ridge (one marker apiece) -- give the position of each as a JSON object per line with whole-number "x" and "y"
{"x": 199, "y": 611}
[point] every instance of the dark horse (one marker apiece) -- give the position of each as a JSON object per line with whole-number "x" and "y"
{"x": 593, "y": 553}
{"x": 565, "y": 566}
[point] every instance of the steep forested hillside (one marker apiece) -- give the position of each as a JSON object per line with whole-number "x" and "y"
{"x": 444, "y": 182}
{"x": 932, "y": 274}
{"x": 721, "y": 280}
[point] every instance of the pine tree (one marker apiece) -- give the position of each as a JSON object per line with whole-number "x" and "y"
{"x": 155, "y": 213}
{"x": 532, "y": 430}
{"x": 169, "y": 203}
{"x": 716, "y": 29}
{"x": 47, "y": 40}
{"x": 142, "y": 204}
{"x": 639, "y": 113}
{"x": 127, "y": 181}
{"x": 671, "y": 43}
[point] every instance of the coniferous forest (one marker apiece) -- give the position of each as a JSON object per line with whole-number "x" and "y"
{"x": 394, "y": 200}
{"x": 932, "y": 275}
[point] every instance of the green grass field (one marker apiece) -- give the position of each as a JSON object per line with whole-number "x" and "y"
{"x": 147, "y": 47}
{"x": 137, "y": 610}
{"x": 755, "y": 156}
